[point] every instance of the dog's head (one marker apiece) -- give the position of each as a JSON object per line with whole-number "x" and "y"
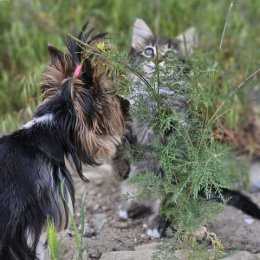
{"x": 81, "y": 78}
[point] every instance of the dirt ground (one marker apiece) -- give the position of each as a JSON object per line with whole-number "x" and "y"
{"x": 105, "y": 232}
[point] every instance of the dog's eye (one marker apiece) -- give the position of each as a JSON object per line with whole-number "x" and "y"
{"x": 149, "y": 52}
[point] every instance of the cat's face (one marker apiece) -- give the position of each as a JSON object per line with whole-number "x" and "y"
{"x": 160, "y": 62}
{"x": 145, "y": 45}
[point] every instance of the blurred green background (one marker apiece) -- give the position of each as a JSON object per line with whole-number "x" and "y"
{"x": 27, "y": 26}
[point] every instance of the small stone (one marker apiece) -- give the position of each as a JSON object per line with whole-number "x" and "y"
{"x": 145, "y": 237}
{"x": 96, "y": 207}
{"x": 94, "y": 254}
{"x": 99, "y": 182}
{"x": 89, "y": 232}
{"x": 151, "y": 245}
{"x": 120, "y": 225}
{"x": 105, "y": 208}
{"x": 145, "y": 226}
{"x": 92, "y": 193}
{"x": 122, "y": 214}
{"x": 129, "y": 255}
{"x": 98, "y": 224}
{"x": 101, "y": 216}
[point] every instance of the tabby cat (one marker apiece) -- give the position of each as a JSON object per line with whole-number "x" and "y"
{"x": 149, "y": 55}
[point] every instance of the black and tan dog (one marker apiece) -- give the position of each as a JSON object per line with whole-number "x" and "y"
{"x": 79, "y": 120}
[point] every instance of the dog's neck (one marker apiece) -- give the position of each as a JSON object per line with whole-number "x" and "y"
{"x": 44, "y": 119}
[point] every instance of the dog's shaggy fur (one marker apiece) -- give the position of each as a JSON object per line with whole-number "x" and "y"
{"x": 78, "y": 120}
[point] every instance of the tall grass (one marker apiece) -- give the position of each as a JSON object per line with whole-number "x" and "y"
{"x": 55, "y": 241}
{"x": 27, "y": 27}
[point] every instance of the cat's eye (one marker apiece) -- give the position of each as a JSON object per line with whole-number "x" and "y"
{"x": 170, "y": 55}
{"x": 149, "y": 52}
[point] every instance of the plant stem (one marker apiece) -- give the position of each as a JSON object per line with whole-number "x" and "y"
{"x": 226, "y": 23}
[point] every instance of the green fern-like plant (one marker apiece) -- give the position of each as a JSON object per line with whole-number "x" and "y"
{"x": 195, "y": 167}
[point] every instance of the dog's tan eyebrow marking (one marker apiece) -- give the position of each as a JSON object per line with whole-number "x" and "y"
{"x": 42, "y": 119}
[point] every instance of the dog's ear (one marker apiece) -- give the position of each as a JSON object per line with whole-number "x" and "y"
{"x": 55, "y": 54}
{"x": 61, "y": 67}
{"x": 61, "y": 61}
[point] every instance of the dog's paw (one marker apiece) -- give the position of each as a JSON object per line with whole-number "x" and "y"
{"x": 153, "y": 233}
{"x": 123, "y": 214}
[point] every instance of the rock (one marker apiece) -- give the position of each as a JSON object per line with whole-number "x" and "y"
{"x": 145, "y": 237}
{"x": 89, "y": 232}
{"x": 243, "y": 255}
{"x": 129, "y": 255}
{"x": 92, "y": 193}
{"x": 99, "y": 182}
{"x": 152, "y": 245}
{"x": 101, "y": 216}
{"x": 235, "y": 230}
{"x": 93, "y": 254}
{"x": 120, "y": 225}
{"x": 105, "y": 208}
{"x": 147, "y": 254}
{"x": 99, "y": 224}
{"x": 96, "y": 207}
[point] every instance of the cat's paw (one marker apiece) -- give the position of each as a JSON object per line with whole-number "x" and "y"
{"x": 123, "y": 214}
{"x": 153, "y": 233}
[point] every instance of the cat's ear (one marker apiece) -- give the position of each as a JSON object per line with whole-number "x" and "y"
{"x": 187, "y": 42}
{"x": 142, "y": 35}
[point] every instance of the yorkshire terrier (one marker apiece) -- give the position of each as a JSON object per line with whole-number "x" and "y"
{"x": 79, "y": 120}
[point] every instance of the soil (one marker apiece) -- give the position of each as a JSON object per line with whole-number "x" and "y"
{"x": 105, "y": 232}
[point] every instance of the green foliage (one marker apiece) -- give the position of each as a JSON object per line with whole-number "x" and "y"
{"x": 54, "y": 242}
{"x": 78, "y": 232}
{"x": 195, "y": 167}
{"x": 191, "y": 161}
{"x": 27, "y": 27}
